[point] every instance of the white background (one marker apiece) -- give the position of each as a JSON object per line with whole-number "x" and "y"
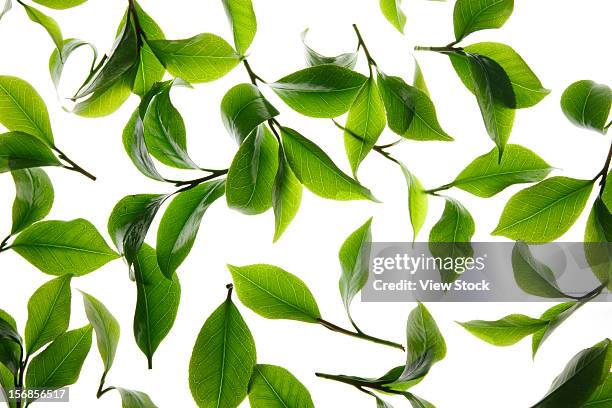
{"x": 562, "y": 40}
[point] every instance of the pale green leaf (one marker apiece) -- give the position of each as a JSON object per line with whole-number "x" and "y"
{"x": 286, "y": 195}
{"x": 392, "y": 11}
{"x": 531, "y": 275}
{"x": 106, "y": 327}
{"x": 275, "y": 387}
{"x": 49, "y": 24}
{"x": 243, "y": 21}
{"x": 346, "y": 60}
{"x": 418, "y": 201}
{"x": 506, "y": 331}
{"x": 23, "y": 151}
{"x": 475, "y": 15}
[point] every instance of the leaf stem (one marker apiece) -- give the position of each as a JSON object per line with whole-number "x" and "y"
{"x": 604, "y": 171}
{"x": 359, "y": 335}
{"x": 4, "y": 243}
{"x": 447, "y": 49}
{"x": 252, "y": 75}
{"x": 189, "y": 184}
{"x": 433, "y": 191}
{"x": 380, "y": 149}
{"x": 20, "y": 383}
{"x": 360, "y": 385}
{"x": 363, "y": 46}
{"x": 73, "y": 166}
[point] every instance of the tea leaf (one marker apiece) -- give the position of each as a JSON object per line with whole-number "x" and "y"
{"x": 135, "y": 146}
{"x": 286, "y": 195}
{"x": 33, "y": 197}
{"x": 475, "y": 15}
{"x": 393, "y": 13}
{"x": 23, "y": 151}
{"x": 602, "y": 396}
{"x": 135, "y": 399}
{"x": 313, "y": 58}
{"x": 60, "y": 4}
{"x": 587, "y": 104}
{"x": 531, "y": 275}
{"x": 555, "y": 316}
{"x": 274, "y": 387}
{"x": 49, "y": 24}
{"x": 11, "y": 345}
{"x": 506, "y": 331}
{"x": 106, "y": 327}
{"x": 417, "y": 201}
{"x": 243, "y": 21}
{"x": 599, "y": 231}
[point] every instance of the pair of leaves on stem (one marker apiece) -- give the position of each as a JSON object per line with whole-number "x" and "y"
{"x": 223, "y": 369}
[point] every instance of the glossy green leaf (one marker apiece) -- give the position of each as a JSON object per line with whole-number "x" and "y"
{"x": 275, "y": 387}
{"x": 105, "y": 101}
{"x": 243, "y": 21}
{"x": 555, "y": 316}
{"x": 23, "y": 110}
{"x": 274, "y": 293}
{"x": 130, "y": 220}
{"x": 527, "y": 88}
{"x": 135, "y": 146}
{"x": 597, "y": 238}
{"x": 506, "y": 331}
{"x": 584, "y": 373}
{"x": 135, "y": 399}
{"x": 48, "y": 313}
{"x": 532, "y": 276}
{"x": 156, "y": 304}
{"x": 223, "y": 359}
{"x": 60, "y": 4}
{"x": 64, "y": 247}
{"x": 286, "y": 195}
{"x": 313, "y": 58}
{"x": 365, "y": 123}
{"x": 587, "y": 104}
{"x": 203, "y": 58}
{"x": 602, "y": 396}
{"x": 150, "y": 70}
{"x": 418, "y": 201}
{"x": 322, "y": 91}
{"x": 57, "y": 60}
{"x": 392, "y": 11}
{"x": 606, "y": 194}
{"x": 315, "y": 169}
{"x": 410, "y": 112}
{"x": 106, "y": 327}
{"x": 487, "y": 175}
{"x": 7, "y": 384}
{"x": 475, "y": 15}
{"x": 419, "y": 79}
{"x": 59, "y": 365}
{"x": 33, "y": 197}
{"x": 179, "y": 226}
{"x": 243, "y": 108}
{"x": 250, "y": 179}
{"x": 544, "y": 212}
{"x": 23, "y": 151}
{"x": 10, "y": 343}
{"x": 354, "y": 258}
{"x": 49, "y": 24}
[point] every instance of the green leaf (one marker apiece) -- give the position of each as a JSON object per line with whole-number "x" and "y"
{"x": 106, "y": 327}
{"x": 274, "y": 293}
{"x": 354, "y": 258}
{"x": 33, "y": 197}
{"x": 150, "y": 70}
{"x": 487, "y": 176}
{"x": 506, "y": 331}
{"x": 366, "y": 120}
{"x": 475, "y": 15}
{"x": 532, "y": 276}
{"x": 544, "y": 212}
{"x": 587, "y": 104}
{"x": 322, "y": 91}
{"x": 58, "y": 59}
{"x": 130, "y": 220}
{"x": 410, "y": 112}
{"x": 59, "y": 365}
{"x": 156, "y": 304}
{"x": 7, "y": 385}
{"x": 135, "y": 399}
{"x": 10, "y": 343}
{"x": 23, "y": 151}
{"x": 250, "y": 179}
{"x": 203, "y": 58}
{"x": 243, "y": 108}
{"x": 135, "y": 146}
{"x": 451, "y": 236}
{"x": 223, "y": 359}
{"x": 392, "y": 11}
{"x": 602, "y": 396}
{"x": 49, "y": 24}
{"x": 274, "y": 387}
{"x": 64, "y": 247}
{"x": 286, "y": 195}
{"x": 23, "y": 110}
{"x": 60, "y": 4}
{"x": 313, "y": 58}
{"x": 105, "y": 101}
{"x": 597, "y": 238}
{"x": 179, "y": 226}
{"x": 555, "y": 316}
{"x": 243, "y": 21}
{"x": 417, "y": 201}
{"x": 48, "y": 313}
{"x": 315, "y": 169}
{"x": 419, "y": 79}
{"x": 527, "y": 88}
{"x": 606, "y": 194}
{"x": 585, "y": 372}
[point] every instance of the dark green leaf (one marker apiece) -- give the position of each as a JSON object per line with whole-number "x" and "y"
{"x": 64, "y": 247}
{"x": 7, "y": 384}
{"x": 587, "y": 104}
{"x": 49, "y": 24}
{"x": 179, "y": 226}
{"x": 223, "y": 359}
{"x": 106, "y": 327}
{"x": 487, "y": 175}
{"x": 150, "y": 70}
{"x": 10, "y": 343}
{"x": 60, "y": 4}
{"x": 602, "y": 396}
{"x": 23, "y": 151}
{"x": 532, "y": 276}
{"x": 417, "y": 201}
{"x": 33, "y": 197}
{"x": 157, "y": 302}
{"x": 504, "y": 332}
{"x": 243, "y": 108}
{"x": 322, "y": 91}
{"x": 243, "y": 21}
{"x": 392, "y": 11}
{"x": 346, "y": 60}
{"x": 274, "y": 387}
{"x": 274, "y": 293}
{"x": 251, "y": 175}
{"x": 135, "y": 399}
{"x": 203, "y": 58}
{"x": 23, "y": 110}
{"x": 315, "y": 169}
{"x": 475, "y": 15}
{"x": 48, "y": 313}
{"x": 555, "y": 316}
{"x": 286, "y": 195}
{"x": 597, "y": 238}
{"x": 135, "y": 146}
{"x": 585, "y": 372}
{"x": 544, "y": 212}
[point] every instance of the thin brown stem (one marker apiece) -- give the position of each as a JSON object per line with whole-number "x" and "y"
{"x": 604, "y": 171}
{"x": 189, "y": 184}
{"x": 448, "y": 49}
{"x": 364, "y": 47}
{"x": 252, "y": 75}
{"x": 359, "y": 335}
{"x": 72, "y": 165}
